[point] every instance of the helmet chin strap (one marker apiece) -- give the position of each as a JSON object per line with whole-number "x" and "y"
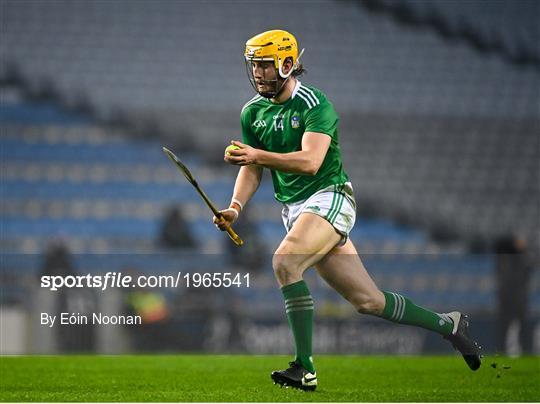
{"x": 282, "y": 87}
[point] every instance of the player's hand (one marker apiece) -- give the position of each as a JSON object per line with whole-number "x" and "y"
{"x": 245, "y": 156}
{"x": 229, "y": 216}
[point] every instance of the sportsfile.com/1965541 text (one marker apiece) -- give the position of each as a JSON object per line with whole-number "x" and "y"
{"x": 119, "y": 280}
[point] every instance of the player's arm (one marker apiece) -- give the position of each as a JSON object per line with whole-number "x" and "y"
{"x": 306, "y": 161}
{"x": 247, "y": 182}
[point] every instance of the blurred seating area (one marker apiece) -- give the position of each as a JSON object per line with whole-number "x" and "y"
{"x": 92, "y": 185}
{"x": 164, "y": 56}
{"x": 107, "y": 193}
{"x": 435, "y": 132}
{"x": 487, "y": 26}
{"x": 68, "y": 179}
{"x": 470, "y": 179}
{"x": 440, "y": 137}
{"x": 159, "y": 57}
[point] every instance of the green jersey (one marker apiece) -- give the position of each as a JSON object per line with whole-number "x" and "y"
{"x": 279, "y": 128}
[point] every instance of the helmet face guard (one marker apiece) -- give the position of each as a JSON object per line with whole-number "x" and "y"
{"x": 272, "y": 46}
{"x": 276, "y": 83}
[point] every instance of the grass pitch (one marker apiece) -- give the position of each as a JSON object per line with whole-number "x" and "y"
{"x": 236, "y": 378}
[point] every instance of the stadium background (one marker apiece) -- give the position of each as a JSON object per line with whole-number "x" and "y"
{"x": 439, "y": 129}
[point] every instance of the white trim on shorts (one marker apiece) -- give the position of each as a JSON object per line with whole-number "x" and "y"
{"x": 335, "y": 203}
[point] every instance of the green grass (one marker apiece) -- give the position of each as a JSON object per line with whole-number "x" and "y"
{"x": 246, "y": 378}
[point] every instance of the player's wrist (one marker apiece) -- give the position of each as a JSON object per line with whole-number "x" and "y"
{"x": 236, "y": 205}
{"x": 256, "y": 156}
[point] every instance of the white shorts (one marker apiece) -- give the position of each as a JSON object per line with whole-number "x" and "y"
{"x": 335, "y": 203}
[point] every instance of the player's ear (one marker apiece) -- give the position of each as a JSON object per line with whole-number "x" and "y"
{"x": 287, "y": 65}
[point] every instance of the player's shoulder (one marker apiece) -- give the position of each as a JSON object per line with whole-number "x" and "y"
{"x": 253, "y": 103}
{"x": 310, "y": 96}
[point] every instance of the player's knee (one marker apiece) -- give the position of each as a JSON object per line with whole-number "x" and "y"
{"x": 285, "y": 267}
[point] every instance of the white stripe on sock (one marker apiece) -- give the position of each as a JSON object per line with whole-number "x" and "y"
{"x": 402, "y": 308}
{"x": 396, "y": 306}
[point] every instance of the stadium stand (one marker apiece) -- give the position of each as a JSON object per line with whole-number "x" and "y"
{"x": 66, "y": 177}
{"x": 434, "y": 131}
{"x": 440, "y": 138}
{"x": 488, "y": 27}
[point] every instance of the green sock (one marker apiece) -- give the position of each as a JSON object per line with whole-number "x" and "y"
{"x": 299, "y": 308}
{"x": 403, "y": 311}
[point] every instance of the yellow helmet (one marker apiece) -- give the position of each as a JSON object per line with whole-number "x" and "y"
{"x": 275, "y": 45}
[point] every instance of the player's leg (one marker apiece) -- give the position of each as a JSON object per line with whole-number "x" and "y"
{"x": 308, "y": 241}
{"x": 310, "y": 238}
{"x": 342, "y": 269}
